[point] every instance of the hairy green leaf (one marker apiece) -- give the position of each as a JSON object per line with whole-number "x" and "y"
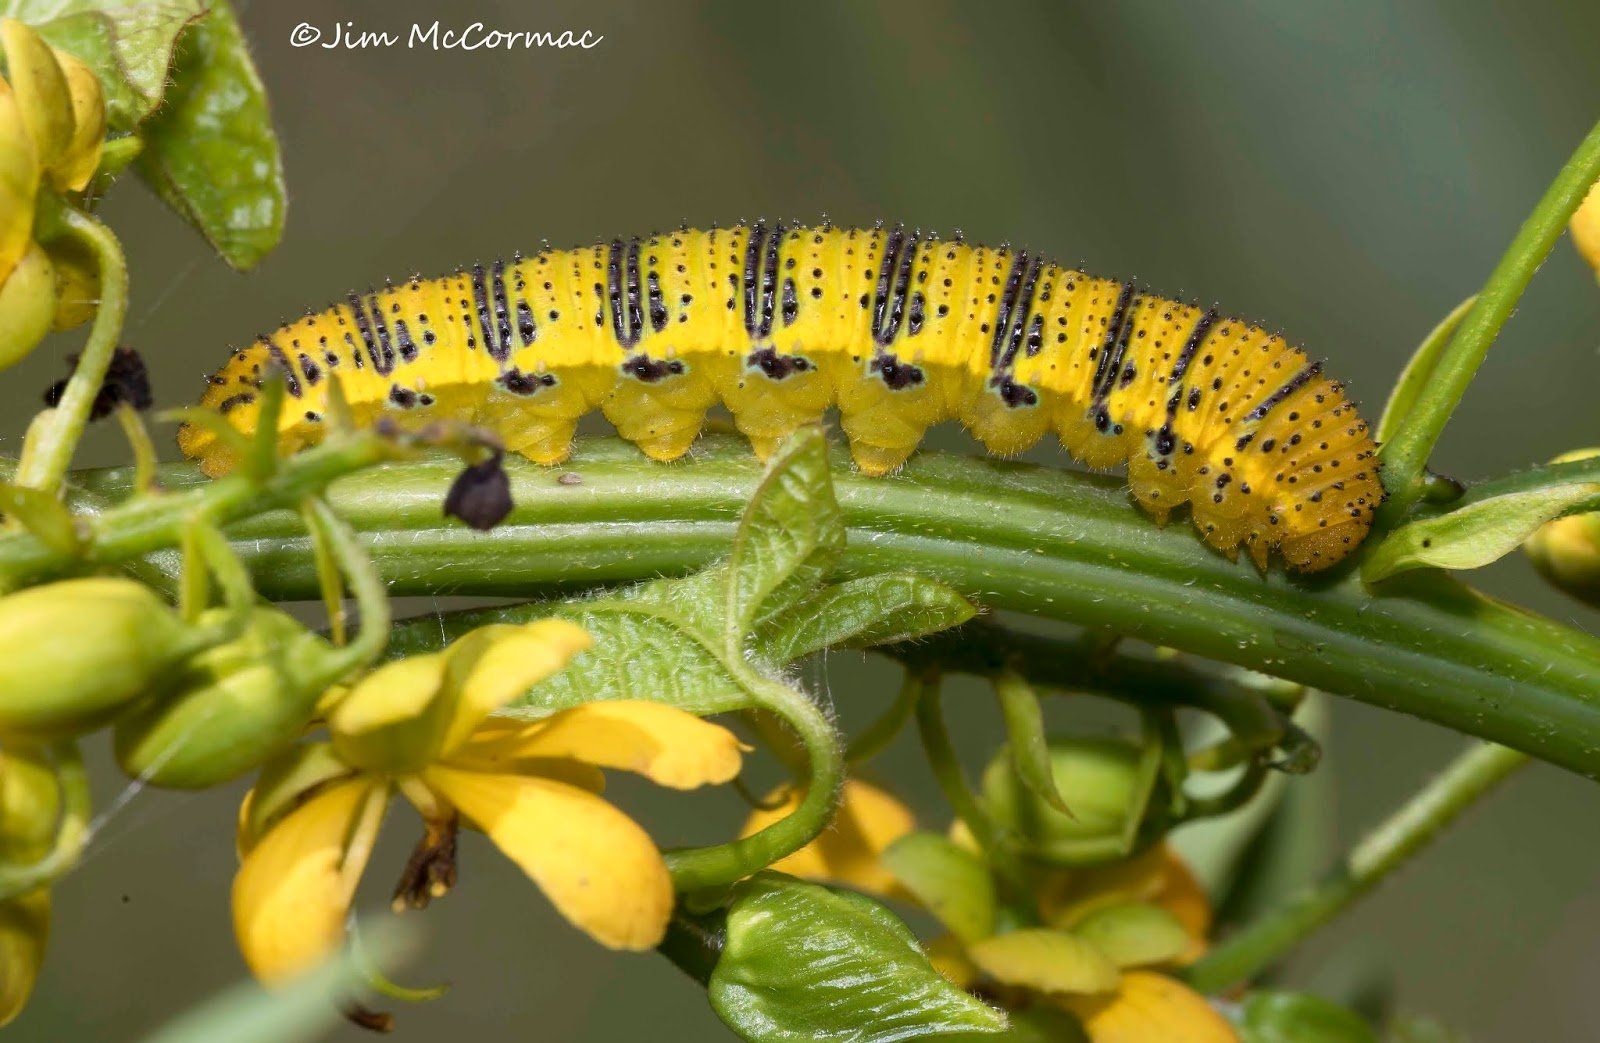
{"x": 128, "y": 43}
{"x": 803, "y": 962}
{"x": 791, "y": 536}
{"x": 1476, "y": 534}
{"x": 1408, "y": 388}
{"x": 951, "y": 881}
{"x": 210, "y": 151}
{"x": 1298, "y": 1017}
{"x": 869, "y": 610}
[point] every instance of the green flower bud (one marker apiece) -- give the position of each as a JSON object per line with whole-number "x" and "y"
{"x": 28, "y": 300}
{"x": 74, "y": 653}
{"x": 229, "y": 709}
{"x": 1567, "y": 551}
{"x": 1105, "y": 782}
{"x": 24, "y": 930}
{"x": 30, "y": 806}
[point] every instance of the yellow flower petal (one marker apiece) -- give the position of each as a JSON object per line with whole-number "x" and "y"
{"x": 406, "y": 714}
{"x": 41, "y": 89}
{"x": 663, "y": 743}
{"x": 601, "y": 871}
{"x": 293, "y": 890}
{"x": 19, "y": 183}
{"x": 24, "y": 930}
{"x": 849, "y": 851}
{"x": 1149, "y": 1006}
{"x": 504, "y": 663}
{"x": 1045, "y": 960}
{"x": 949, "y": 957}
{"x": 1586, "y": 228}
{"x": 77, "y": 164}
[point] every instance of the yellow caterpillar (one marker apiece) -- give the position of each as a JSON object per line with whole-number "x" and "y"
{"x": 779, "y": 323}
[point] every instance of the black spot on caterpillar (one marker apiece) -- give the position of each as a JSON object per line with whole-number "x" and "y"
{"x": 897, "y": 331}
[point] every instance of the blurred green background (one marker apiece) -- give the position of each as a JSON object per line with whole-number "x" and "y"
{"x": 1346, "y": 172}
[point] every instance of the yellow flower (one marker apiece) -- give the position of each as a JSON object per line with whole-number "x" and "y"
{"x": 1103, "y": 929}
{"x": 52, "y": 131}
{"x": 850, "y": 851}
{"x": 421, "y": 726}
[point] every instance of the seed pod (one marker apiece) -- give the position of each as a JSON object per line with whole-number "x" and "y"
{"x": 28, "y": 302}
{"x": 227, "y": 710}
{"x": 74, "y": 653}
{"x": 1567, "y": 551}
{"x": 1104, "y": 781}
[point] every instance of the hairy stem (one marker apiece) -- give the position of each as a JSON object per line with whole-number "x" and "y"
{"x": 1260, "y": 944}
{"x": 1051, "y": 543}
{"x": 1406, "y": 455}
{"x": 723, "y": 864}
{"x": 54, "y": 438}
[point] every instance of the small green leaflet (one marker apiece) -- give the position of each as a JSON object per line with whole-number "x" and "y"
{"x": 951, "y": 881}
{"x": 1298, "y": 1017}
{"x": 1476, "y": 534}
{"x": 806, "y": 963}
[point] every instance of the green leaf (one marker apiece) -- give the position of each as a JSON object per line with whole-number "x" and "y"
{"x": 1134, "y": 935}
{"x": 1030, "y": 749}
{"x": 128, "y": 43}
{"x": 211, "y": 152}
{"x": 640, "y": 652}
{"x": 790, "y": 538}
{"x": 307, "y": 1008}
{"x": 805, "y": 963}
{"x": 1408, "y": 388}
{"x": 1038, "y": 1023}
{"x": 1298, "y": 1017}
{"x": 1476, "y": 534}
{"x": 870, "y": 610}
{"x": 952, "y": 882}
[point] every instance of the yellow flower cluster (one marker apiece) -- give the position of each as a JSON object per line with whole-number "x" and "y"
{"x": 1104, "y": 936}
{"x": 52, "y": 130}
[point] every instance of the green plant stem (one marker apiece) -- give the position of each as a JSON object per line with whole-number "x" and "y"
{"x": 1405, "y": 457}
{"x": 1012, "y": 536}
{"x": 145, "y": 525}
{"x": 45, "y": 462}
{"x": 706, "y": 867}
{"x": 1258, "y": 945}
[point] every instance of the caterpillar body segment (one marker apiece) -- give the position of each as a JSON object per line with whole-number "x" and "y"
{"x": 897, "y": 331}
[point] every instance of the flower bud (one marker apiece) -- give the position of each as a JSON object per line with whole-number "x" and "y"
{"x": 1567, "y": 551}
{"x": 24, "y": 930}
{"x": 28, "y": 302}
{"x": 19, "y": 183}
{"x": 76, "y": 167}
{"x": 41, "y": 89}
{"x": 30, "y": 807}
{"x": 74, "y": 653}
{"x": 227, "y": 710}
{"x": 1103, "y": 781}
{"x": 77, "y": 283}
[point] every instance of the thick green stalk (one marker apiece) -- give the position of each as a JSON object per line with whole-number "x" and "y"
{"x": 1257, "y": 946}
{"x": 52, "y": 441}
{"x": 1405, "y": 456}
{"x": 1052, "y": 543}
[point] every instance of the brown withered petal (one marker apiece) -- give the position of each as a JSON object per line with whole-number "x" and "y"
{"x": 127, "y": 380}
{"x": 481, "y": 494}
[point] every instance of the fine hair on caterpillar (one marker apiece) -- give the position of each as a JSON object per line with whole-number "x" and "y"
{"x": 896, "y": 330}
